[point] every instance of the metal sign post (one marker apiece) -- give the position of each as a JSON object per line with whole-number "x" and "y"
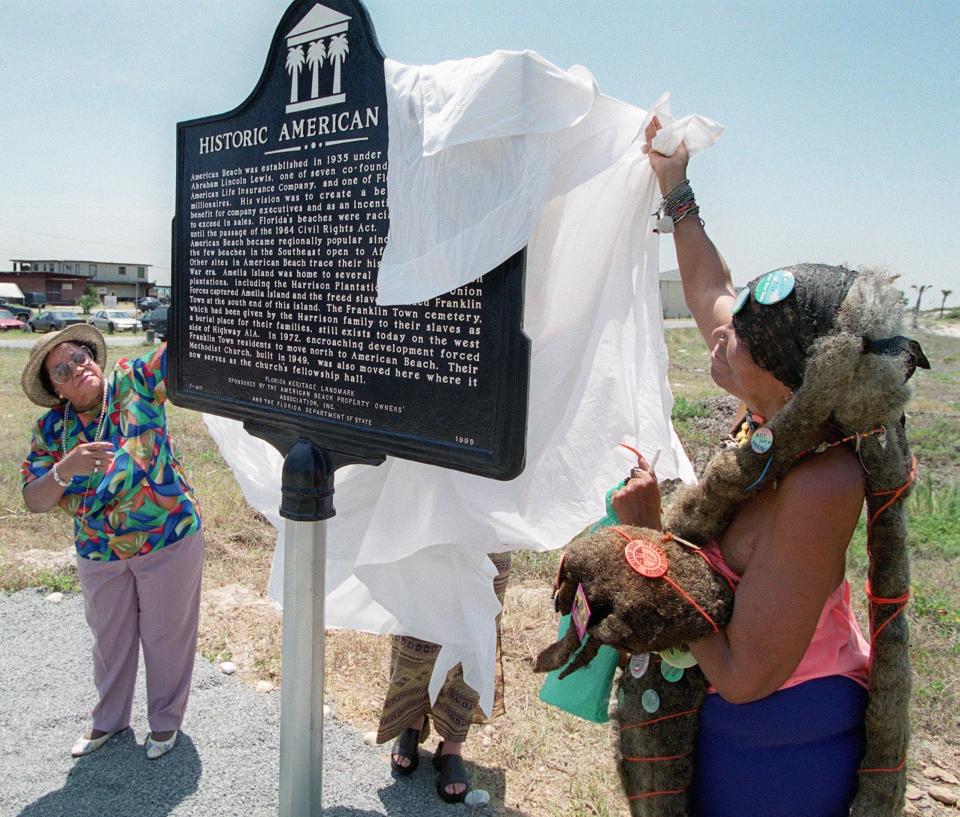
{"x": 301, "y": 692}
{"x": 307, "y": 492}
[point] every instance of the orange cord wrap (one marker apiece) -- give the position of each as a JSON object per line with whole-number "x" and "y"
{"x": 876, "y": 602}
{"x": 673, "y": 584}
{"x": 654, "y": 794}
{"x": 897, "y": 768}
{"x": 642, "y": 724}
{"x": 655, "y": 759}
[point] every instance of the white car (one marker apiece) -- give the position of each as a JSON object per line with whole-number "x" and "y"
{"x": 114, "y": 320}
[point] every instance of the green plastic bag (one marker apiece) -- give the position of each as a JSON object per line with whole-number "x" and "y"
{"x": 586, "y": 692}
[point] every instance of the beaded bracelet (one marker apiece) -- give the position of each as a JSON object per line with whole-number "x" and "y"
{"x": 56, "y": 478}
{"x": 675, "y": 206}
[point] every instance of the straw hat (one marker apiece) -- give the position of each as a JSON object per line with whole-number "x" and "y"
{"x": 79, "y": 333}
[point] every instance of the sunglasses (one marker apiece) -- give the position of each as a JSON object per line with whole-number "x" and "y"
{"x": 770, "y": 289}
{"x": 62, "y": 372}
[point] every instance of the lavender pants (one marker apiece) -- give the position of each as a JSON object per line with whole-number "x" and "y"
{"x": 153, "y": 600}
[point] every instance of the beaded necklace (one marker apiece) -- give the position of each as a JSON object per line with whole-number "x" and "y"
{"x": 101, "y": 422}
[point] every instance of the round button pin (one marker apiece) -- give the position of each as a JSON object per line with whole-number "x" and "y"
{"x": 638, "y": 664}
{"x": 670, "y": 672}
{"x": 650, "y": 701}
{"x": 742, "y": 297}
{"x": 646, "y": 558}
{"x": 762, "y": 440}
{"x": 774, "y": 287}
{"x": 678, "y": 657}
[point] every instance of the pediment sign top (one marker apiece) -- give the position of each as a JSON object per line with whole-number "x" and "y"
{"x": 318, "y": 18}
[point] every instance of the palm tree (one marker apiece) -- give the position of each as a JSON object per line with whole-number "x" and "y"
{"x": 946, "y": 294}
{"x": 916, "y": 309}
{"x": 295, "y": 60}
{"x": 315, "y": 55}
{"x": 337, "y": 52}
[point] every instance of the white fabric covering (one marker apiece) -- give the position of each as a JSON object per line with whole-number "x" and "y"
{"x": 487, "y": 155}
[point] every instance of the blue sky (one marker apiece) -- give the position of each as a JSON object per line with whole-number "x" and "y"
{"x": 842, "y": 118}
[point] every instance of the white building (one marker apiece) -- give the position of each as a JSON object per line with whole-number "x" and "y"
{"x": 671, "y": 295}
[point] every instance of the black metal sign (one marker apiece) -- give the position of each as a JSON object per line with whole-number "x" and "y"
{"x": 280, "y": 224}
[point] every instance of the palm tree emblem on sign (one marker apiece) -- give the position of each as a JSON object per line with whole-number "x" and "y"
{"x": 337, "y": 51}
{"x": 322, "y": 31}
{"x": 315, "y": 55}
{"x": 295, "y": 62}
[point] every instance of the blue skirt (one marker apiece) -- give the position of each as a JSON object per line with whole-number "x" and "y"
{"x": 792, "y": 754}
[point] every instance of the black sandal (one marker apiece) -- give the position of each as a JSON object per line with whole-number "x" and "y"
{"x": 451, "y": 771}
{"x": 407, "y": 745}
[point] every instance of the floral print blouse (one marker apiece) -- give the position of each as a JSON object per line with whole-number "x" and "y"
{"x": 143, "y": 501}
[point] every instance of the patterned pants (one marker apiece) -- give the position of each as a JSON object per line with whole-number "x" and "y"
{"x": 411, "y": 665}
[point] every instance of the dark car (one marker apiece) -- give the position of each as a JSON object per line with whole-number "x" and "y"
{"x": 53, "y": 321}
{"x": 156, "y": 321}
{"x": 35, "y": 299}
{"x": 147, "y": 302}
{"x": 21, "y": 313}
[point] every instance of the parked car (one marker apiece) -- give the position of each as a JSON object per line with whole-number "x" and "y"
{"x": 51, "y": 321}
{"x": 156, "y": 320}
{"x": 146, "y": 303}
{"x": 21, "y": 313}
{"x": 35, "y": 299}
{"x": 7, "y": 321}
{"x": 113, "y": 320}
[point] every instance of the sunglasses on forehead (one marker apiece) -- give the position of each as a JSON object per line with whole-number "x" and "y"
{"x": 61, "y": 373}
{"x": 770, "y": 289}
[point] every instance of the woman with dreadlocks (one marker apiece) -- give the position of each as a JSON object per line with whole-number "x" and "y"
{"x": 813, "y": 351}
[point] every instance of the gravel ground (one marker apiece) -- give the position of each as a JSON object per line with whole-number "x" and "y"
{"x": 225, "y": 761}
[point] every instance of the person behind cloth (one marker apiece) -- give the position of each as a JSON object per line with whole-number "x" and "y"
{"x": 102, "y": 453}
{"x": 783, "y": 733}
{"x": 407, "y": 711}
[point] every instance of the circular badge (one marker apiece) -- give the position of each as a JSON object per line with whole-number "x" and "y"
{"x": 650, "y": 701}
{"x": 679, "y": 657}
{"x": 646, "y": 558}
{"x": 670, "y": 672}
{"x": 774, "y": 287}
{"x": 762, "y": 440}
{"x": 742, "y": 297}
{"x": 638, "y": 664}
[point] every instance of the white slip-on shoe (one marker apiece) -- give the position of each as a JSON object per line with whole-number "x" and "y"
{"x": 158, "y": 748}
{"x": 84, "y": 745}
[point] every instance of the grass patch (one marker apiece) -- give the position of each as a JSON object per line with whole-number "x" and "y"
{"x": 937, "y": 441}
{"x": 58, "y": 582}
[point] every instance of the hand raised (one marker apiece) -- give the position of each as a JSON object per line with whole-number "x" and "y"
{"x": 638, "y": 501}
{"x": 670, "y": 170}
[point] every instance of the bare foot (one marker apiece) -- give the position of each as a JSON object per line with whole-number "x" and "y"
{"x": 451, "y": 748}
{"x": 404, "y": 761}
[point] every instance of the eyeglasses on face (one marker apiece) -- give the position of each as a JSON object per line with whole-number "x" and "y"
{"x": 62, "y": 372}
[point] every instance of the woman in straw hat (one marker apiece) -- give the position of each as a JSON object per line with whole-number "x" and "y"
{"x": 101, "y": 452}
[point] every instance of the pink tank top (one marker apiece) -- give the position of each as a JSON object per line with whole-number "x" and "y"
{"x": 837, "y": 647}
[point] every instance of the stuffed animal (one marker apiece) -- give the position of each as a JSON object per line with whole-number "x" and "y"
{"x": 854, "y": 376}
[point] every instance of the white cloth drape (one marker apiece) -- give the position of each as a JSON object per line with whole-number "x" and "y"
{"x": 485, "y": 156}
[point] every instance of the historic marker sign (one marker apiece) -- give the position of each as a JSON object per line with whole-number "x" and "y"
{"x": 280, "y": 224}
